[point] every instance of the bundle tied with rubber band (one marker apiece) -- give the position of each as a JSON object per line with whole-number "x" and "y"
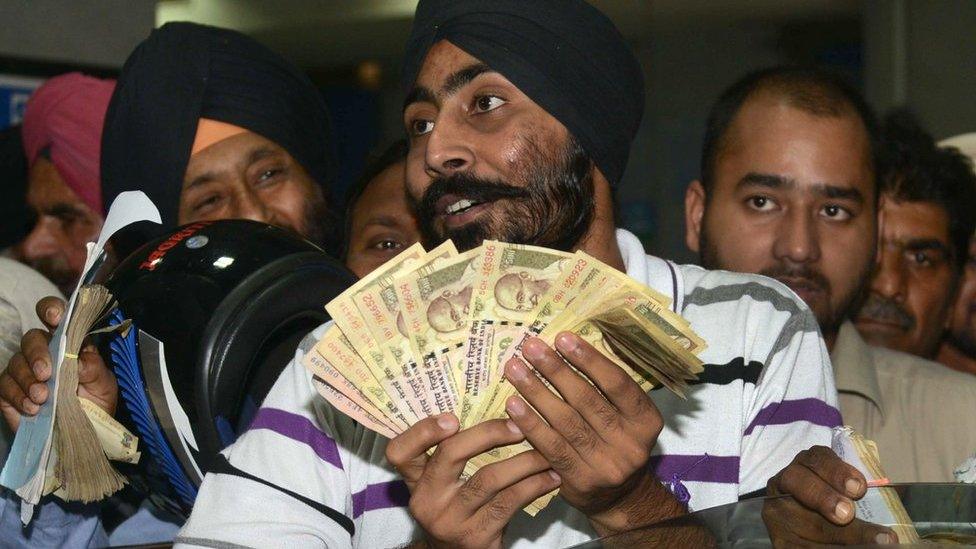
{"x": 879, "y": 505}
{"x": 84, "y": 435}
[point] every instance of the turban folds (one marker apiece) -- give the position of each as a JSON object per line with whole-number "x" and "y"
{"x": 65, "y": 116}
{"x": 186, "y": 72}
{"x": 564, "y": 54}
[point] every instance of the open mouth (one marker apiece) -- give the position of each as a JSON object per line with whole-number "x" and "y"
{"x": 458, "y": 210}
{"x": 460, "y": 206}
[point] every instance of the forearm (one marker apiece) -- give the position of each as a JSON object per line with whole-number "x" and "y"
{"x": 650, "y": 503}
{"x": 647, "y": 503}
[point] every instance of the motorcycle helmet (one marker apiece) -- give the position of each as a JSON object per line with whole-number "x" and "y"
{"x": 218, "y": 310}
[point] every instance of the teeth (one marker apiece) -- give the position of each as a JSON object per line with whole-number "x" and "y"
{"x": 459, "y": 206}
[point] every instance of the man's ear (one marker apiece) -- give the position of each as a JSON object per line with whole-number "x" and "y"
{"x": 694, "y": 212}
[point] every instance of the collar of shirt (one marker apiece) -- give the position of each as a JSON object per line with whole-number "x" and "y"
{"x": 659, "y": 274}
{"x": 854, "y": 367}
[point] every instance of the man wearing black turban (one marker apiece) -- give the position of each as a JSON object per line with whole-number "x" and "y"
{"x": 520, "y": 116}
{"x": 213, "y": 125}
{"x": 210, "y": 124}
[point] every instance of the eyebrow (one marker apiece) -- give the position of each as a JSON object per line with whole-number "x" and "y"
{"x": 453, "y": 83}
{"x": 917, "y": 244}
{"x": 772, "y": 181}
{"x": 63, "y": 210}
{"x": 382, "y": 220}
{"x": 256, "y": 154}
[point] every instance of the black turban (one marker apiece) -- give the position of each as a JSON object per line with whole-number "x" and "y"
{"x": 564, "y": 54}
{"x": 184, "y": 72}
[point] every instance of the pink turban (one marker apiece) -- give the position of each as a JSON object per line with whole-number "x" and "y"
{"x": 67, "y": 114}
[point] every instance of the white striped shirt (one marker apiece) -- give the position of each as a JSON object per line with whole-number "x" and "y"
{"x": 767, "y": 393}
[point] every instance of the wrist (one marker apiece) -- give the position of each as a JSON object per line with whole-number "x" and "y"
{"x": 646, "y": 503}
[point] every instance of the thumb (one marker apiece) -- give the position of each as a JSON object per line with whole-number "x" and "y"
{"x": 96, "y": 381}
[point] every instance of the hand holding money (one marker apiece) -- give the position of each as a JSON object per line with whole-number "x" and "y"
{"x": 473, "y": 513}
{"x": 597, "y": 437}
{"x": 430, "y": 333}
{"x": 823, "y": 489}
{"x": 23, "y": 387}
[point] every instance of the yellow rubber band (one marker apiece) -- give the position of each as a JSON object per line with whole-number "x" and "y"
{"x": 70, "y": 355}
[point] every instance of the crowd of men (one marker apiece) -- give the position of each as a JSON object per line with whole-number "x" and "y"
{"x": 837, "y": 283}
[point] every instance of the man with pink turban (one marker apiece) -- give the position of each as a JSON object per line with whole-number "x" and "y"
{"x": 62, "y": 134}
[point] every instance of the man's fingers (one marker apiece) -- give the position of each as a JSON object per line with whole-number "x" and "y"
{"x": 506, "y": 503}
{"x": 492, "y": 479}
{"x": 615, "y": 384}
{"x": 34, "y": 346}
{"x": 50, "y": 310}
{"x": 561, "y": 454}
{"x": 23, "y": 376}
{"x": 408, "y": 451}
{"x": 791, "y": 525}
{"x": 447, "y": 462}
{"x": 91, "y": 368}
{"x": 812, "y": 492}
{"x": 14, "y": 401}
{"x": 840, "y": 475}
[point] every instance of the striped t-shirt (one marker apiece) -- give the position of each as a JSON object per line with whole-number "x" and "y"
{"x": 767, "y": 393}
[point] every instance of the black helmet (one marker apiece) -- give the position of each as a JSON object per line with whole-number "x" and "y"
{"x": 218, "y": 309}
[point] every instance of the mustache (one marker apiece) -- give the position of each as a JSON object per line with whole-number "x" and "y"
{"x": 807, "y": 275}
{"x": 885, "y": 310}
{"x": 467, "y": 186}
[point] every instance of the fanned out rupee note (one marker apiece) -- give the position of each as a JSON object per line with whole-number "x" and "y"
{"x": 431, "y": 332}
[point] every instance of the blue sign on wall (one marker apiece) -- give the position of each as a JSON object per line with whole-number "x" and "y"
{"x": 14, "y": 92}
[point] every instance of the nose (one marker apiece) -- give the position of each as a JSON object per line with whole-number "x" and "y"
{"x": 889, "y": 278}
{"x": 43, "y": 239}
{"x": 448, "y": 148}
{"x": 250, "y": 205}
{"x": 797, "y": 239}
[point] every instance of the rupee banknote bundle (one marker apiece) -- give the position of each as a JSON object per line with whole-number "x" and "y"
{"x": 430, "y": 332}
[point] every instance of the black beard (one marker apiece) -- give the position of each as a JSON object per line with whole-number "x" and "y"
{"x": 709, "y": 259}
{"x": 554, "y": 209}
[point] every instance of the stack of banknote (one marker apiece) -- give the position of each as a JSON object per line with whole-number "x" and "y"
{"x": 431, "y": 332}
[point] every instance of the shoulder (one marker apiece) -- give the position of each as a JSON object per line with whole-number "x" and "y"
{"x": 919, "y": 372}
{"x": 708, "y": 287}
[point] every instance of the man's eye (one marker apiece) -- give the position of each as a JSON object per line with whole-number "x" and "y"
{"x": 837, "y": 213}
{"x": 487, "y": 103}
{"x": 921, "y": 258}
{"x": 207, "y": 203}
{"x": 269, "y": 174}
{"x": 760, "y": 203}
{"x": 387, "y": 245}
{"x": 421, "y": 127}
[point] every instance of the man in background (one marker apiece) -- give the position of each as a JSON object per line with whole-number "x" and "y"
{"x": 62, "y": 134}
{"x": 789, "y": 189}
{"x": 958, "y": 347}
{"x": 379, "y": 221}
{"x": 211, "y": 124}
{"x": 929, "y": 212}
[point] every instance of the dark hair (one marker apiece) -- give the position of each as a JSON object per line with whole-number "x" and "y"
{"x": 812, "y": 90}
{"x": 375, "y": 165}
{"x": 915, "y": 169}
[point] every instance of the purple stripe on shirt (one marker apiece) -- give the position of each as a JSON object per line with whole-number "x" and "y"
{"x": 380, "y": 496}
{"x": 812, "y": 410}
{"x": 298, "y": 428}
{"x": 700, "y": 468}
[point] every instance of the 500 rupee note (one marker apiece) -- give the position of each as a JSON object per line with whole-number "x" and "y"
{"x": 435, "y": 301}
{"x": 378, "y": 303}
{"x": 513, "y": 281}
